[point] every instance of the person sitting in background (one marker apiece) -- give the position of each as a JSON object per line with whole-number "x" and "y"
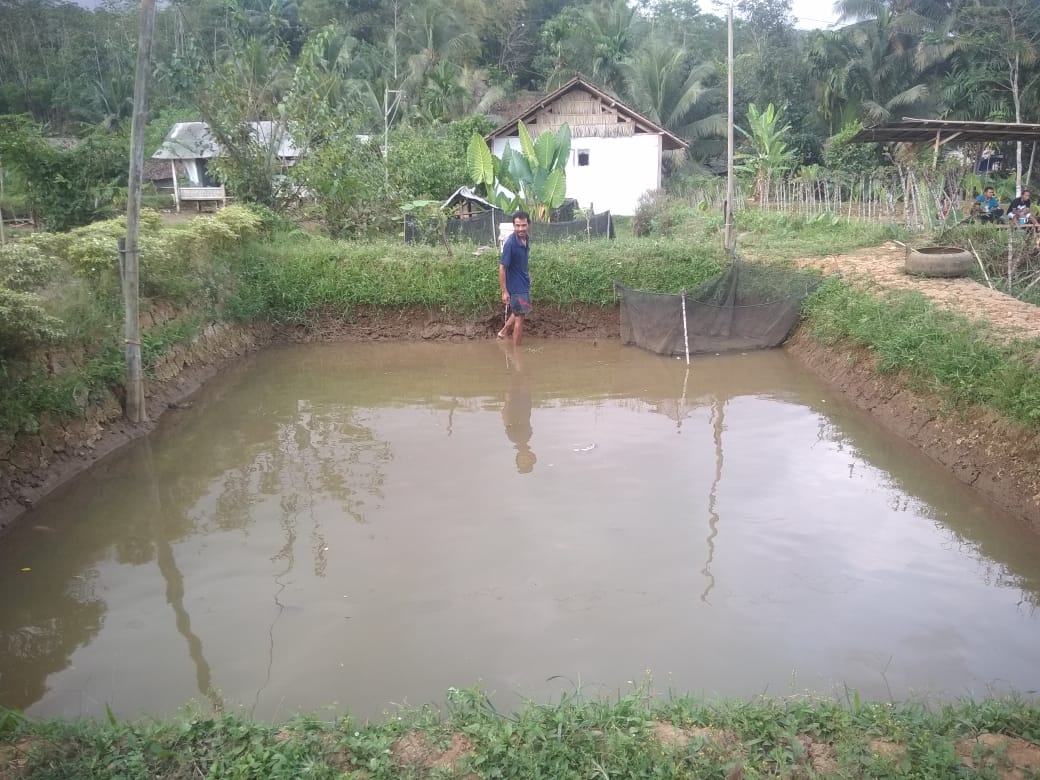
{"x": 1023, "y": 217}
{"x": 987, "y": 207}
{"x": 1022, "y": 201}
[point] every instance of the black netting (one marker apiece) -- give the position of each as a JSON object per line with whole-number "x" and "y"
{"x": 748, "y": 306}
{"x": 482, "y": 228}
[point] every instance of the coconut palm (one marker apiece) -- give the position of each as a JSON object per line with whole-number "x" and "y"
{"x": 615, "y": 30}
{"x": 881, "y": 77}
{"x": 680, "y": 98}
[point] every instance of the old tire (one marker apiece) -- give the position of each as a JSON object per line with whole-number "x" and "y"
{"x": 943, "y": 261}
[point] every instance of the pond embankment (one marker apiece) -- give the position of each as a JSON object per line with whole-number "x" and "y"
{"x": 996, "y": 457}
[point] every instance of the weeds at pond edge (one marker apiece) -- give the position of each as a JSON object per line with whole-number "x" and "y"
{"x": 632, "y": 736}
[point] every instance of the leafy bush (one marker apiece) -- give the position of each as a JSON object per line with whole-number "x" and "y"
{"x": 855, "y": 159}
{"x": 24, "y": 324}
{"x": 91, "y": 250}
{"x": 65, "y": 187}
{"x": 24, "y": 267}
{"x": 174, "y": 259}
{"x": 658, "y": 213}
{"x": 430, "y": 162}
{"x": 346, "y": 178}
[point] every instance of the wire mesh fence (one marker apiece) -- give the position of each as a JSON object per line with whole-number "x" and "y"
{"x": 908, "y": 197}
{"x": 483, "y": 228}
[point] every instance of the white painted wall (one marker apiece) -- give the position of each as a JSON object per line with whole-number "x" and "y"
{"x": 619, "y": 170}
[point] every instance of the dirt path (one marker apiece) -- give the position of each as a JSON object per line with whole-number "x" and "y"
{"x": 883, "y": 266}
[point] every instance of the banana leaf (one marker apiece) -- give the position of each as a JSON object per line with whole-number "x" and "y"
{"x": 480, "y": 162}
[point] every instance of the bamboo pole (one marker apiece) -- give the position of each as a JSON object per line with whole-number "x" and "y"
{"x": 135, "y": 406}
{"x": 3, "y": 239}
{"x": 685, "y": 333}
{"x": 729, "y": 135}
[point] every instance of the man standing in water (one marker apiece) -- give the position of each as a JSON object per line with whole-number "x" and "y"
{"x": 514, "y": 279}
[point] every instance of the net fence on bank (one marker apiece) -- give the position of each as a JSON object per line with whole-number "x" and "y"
{"x": 748, "y": 306}
{"x": 482, "y": 228}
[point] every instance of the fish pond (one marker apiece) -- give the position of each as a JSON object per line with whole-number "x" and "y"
{"x": 360, "y": 526}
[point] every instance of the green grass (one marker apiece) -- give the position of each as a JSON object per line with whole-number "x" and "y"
{"x": 772, "y": 236}
{"x": 938, "y": 351}
{"x": 297, "y": 277}
{"x": 632, "y": 736}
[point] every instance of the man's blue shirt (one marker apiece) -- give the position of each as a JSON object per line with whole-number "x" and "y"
{"x": 989, "y": 203}
{"x": 514, "y": 260}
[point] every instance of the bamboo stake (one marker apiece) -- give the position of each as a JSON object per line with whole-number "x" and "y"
{"x": 685, "y": 333}
{"x": 981, "y": 266}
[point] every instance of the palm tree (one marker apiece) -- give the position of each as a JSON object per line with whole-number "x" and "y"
{"x": 615, "y": 30}
{"x": 880, "y": 76}
{"x": 441, "y": 43}
{"x": 677, "y": 96}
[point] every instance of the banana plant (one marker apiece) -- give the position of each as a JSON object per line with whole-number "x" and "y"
{"x": 770, "y": 155}
{"x": 533, "y": 178}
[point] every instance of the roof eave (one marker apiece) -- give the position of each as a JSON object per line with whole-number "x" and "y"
{"x": 671, "y": 142}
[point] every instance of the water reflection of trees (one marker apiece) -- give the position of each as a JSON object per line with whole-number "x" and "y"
{"x": 202, "y": 480}
{"x": 39, "y": 636}
{"x": 989, "y": 543}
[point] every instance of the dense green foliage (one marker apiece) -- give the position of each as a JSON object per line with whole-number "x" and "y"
{"x": 61, "y": 290}
{"x": 66, "y": 187}
{"x": 634, "y": 736}
{"x": 426, "y": 63}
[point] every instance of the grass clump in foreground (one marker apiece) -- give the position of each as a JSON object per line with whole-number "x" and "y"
{"x": 635, "y": 736}
{"x": 937, "y": 351}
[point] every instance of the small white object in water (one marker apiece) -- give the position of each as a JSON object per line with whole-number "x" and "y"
{"x": 586, "y": 448}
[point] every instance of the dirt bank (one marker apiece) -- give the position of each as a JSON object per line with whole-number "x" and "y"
{"x": 34, "y": 464}
{"x": 1000, "y": 461}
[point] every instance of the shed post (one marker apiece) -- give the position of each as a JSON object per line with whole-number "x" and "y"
{"x": 176, "y": 187}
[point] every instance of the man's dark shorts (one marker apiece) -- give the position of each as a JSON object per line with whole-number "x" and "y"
{"x": 520, "y": 304}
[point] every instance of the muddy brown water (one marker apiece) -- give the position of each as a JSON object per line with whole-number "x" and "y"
{"x": 364, "y": 525}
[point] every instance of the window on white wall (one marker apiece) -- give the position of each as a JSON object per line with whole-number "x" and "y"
{"x": 583, "y": 157}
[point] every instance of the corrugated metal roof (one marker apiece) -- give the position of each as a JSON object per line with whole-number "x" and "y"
{"x": 192, "y": 140}
{"x": 928, "y": 130}
{"x": 509, "y": 129}
{"x": 465, "y": 193}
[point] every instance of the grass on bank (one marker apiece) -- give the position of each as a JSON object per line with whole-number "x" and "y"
{"x": 633, "y": 736}
{"x": 294, "y": 278}
{"x": 253, "y": 267}
{"x": 937, "y": 351}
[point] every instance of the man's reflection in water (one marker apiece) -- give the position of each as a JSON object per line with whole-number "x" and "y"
{"x": 516, "y": 413}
